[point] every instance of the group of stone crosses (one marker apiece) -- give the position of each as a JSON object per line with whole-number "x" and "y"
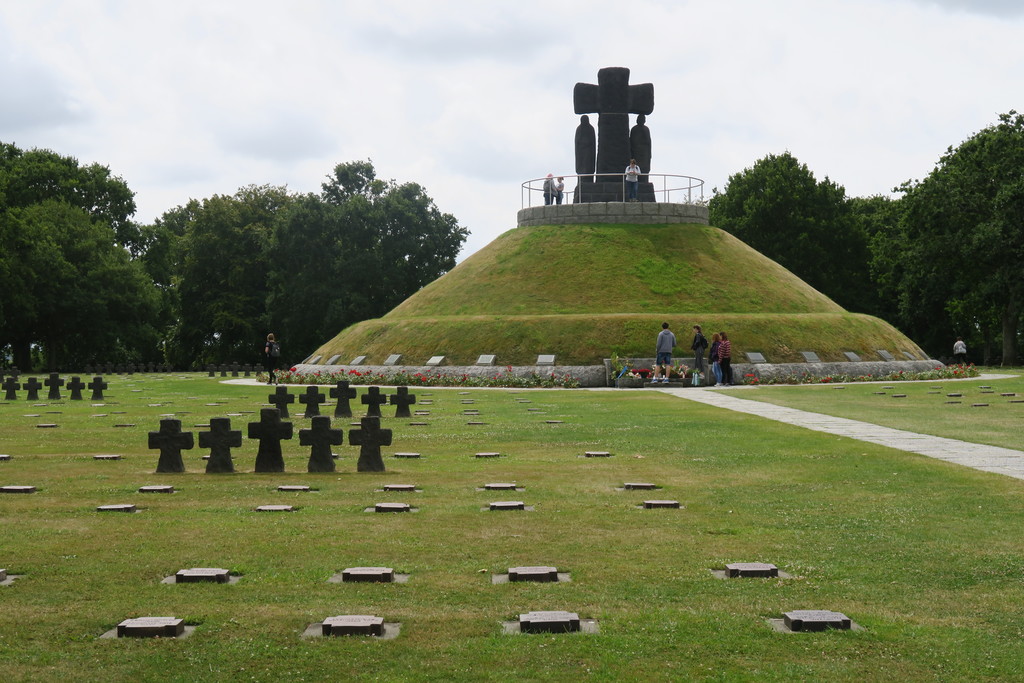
{"x": 272, "y": 429}
{"x": 53, "y": 383}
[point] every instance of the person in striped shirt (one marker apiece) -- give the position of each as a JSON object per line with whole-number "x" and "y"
{"x": 725, "y": 358}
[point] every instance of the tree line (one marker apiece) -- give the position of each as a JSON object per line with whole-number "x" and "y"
{"x": 83, "y": 283}
{"x": 942, "y": 259}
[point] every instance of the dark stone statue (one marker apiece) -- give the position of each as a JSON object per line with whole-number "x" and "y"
{"x": 586, "y": 150}
{"x": 640, "y": 146}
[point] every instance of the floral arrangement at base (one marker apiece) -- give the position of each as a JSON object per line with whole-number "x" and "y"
{"x": 940, "y": 372}
{"x": 503, "y": 378}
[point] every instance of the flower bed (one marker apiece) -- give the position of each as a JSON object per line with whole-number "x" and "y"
{"x": 940, "y": 372}
{"x": 502, "y": 378}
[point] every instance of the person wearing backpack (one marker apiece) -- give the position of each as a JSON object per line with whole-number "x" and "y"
{"x": 700, "y": 343}
{"x": 271, "y": 352}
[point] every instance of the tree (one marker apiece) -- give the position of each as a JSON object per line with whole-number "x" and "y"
{"x": 962, "y": 233}
{"x": 778, "y": 208}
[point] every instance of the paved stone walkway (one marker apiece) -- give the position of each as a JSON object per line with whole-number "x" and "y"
{"x": 986, "y": 458}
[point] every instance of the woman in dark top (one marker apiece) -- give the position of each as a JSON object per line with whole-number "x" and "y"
{"x": 716, "y": 368}
{"x": 271, "y": 352}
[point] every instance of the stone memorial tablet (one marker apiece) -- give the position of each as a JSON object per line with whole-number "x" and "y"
{"x": 202, "y": 575}
{"x": 435, "y": 361}
{"x": 353, "y": 625}
{"x": 546, "y": 359}
{"x": 755, "y": 357}
{"x": 810, "y": 357}
{"x": 885, "y": 355}
{"x": 909, "y": 355}
{"x": 507, "y": 505}
{"x": 597, "y": 454}
{"x": 121, "y": 507}
{"x": 537, "y": 574}
{"x": 4, "y": 457}
{"x": 151, "y": 627}
{"x": 333, "y": 359}
{"x": 639, "y": 486}
{"x": 368, "y": 575}
{"x": 159, "y": 488}
{"x": 815, "y": 620}
{"x": 549, "y": 622}
{"x": 486, "y": 359}
{"x": 487, "y": 454}
{"x": 409, "y": 488}
{"x": 393, "y": 359}
{"x": 358, "y": 360}
{"x": 293, "y": 488}
{"x": 17, "y": 489}
{"x": 751, "y": 570}
{"x": 392, "y": 507}
{"x": 653, "y": 504}
{"x": 275, "y": 508}
{"x": 406, "y": 455}
{"x": 851, "y": 356}
{"x": 500, "y": 486}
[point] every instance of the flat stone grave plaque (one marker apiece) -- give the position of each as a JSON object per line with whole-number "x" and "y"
{"x": 368, "y": 575}
{"x": 899, "y": 395}
{"x": 553, "y": 422}
{"x": 353, "y": 625}
{"x": 125, "y": 424}
{"x": 393, "y": 359}
{"x": 810, "y": 357}
{"x": 151, "y": 627}
{"x": 1009, "y": 394}
{"x": 909, "y": 355}
{"x": 421, "y": 413}
{"x": 597, "y": 454}
{"x": 419, "y": 424}
{"x": 538, "y": 574}
{"x": 392, "y": 507}
{"x": 507, "y": 505}
{"x": 275, "y": 508}
{"x": 406, "y": 455}
{"x": 639, "y": 486}
{"x": 653, "y": 504}
{"x": 755, "y": 357}
{"x": 953, "y": 402}
{"x": 4, "y": 457}
{"x": 885, "y": 355}
{"x": 202, "y": 575}
{"x": 954, "y": 395}
{"x": 501, "y": 486}
{"x": 293, "y": 488}
{"x": 549, "y": 622}
{"x": 487, "y": 454}
{"x": 468, "y": 400}
{"x": 158, "y": 488}
{"x": 47, "y": 425}
{"x": 17, "y": 489}
{"x": 435, "y": 361}
{"x": 979, "y": 405}
{"x": 358, "y": 360}
{"x": 486, "y": 359}
{"x": 744, "y": 570}
{"x": 399, "y": 487}
{"x": 333, "y": 359}
{"x": 815, "y": 620}
{"x": 851, "y": 356}
{"x": 120, "y": 507}
{"x": 3, "y": 575}
{"x": 984, "y": 386}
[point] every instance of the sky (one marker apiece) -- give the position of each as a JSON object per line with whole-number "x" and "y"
{"x": 192, "y": 98}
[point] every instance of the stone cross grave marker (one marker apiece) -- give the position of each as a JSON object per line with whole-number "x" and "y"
{"x": 10, "y": 387}
{"x": 373, "y": 400}
{"x": 320, "y": 437}
{"x": 220, "y": 440}
{"x": 402, "y": 399}
{"x": 343, "y": 393}
{"x": 613, "y": 99}
{"x": 170, "y": 440}
{"x": 75, "y": 386}
{"x": 280, "y": 399}
{"x": 312, "y": 399}
{"x": 370, "y": 437}
{"x": 32, "y": 386}
{"x": 270, "y": 430}
{"x": 97, "y": 385}
{"x": 54, "y": 382}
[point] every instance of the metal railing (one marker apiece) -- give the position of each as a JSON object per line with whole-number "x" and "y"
{"x": 684, "y": 187}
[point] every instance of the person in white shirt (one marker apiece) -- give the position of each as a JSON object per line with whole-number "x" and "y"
{"x": 632, "y": 180}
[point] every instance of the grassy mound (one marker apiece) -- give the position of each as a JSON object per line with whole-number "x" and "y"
{"x": 585, "y": 292}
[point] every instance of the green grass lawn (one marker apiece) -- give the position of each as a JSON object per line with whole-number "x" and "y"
{"x": 926, "y": 408}
{"x": 927, "y": 557}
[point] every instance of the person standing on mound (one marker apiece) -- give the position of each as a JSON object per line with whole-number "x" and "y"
{"x": 663, "y": 352}
{"x": 271, "y": 352}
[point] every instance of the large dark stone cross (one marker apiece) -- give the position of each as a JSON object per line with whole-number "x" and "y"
{"x": 403, "y": 399}
{"x": 613, "y": 99}
{"x": 97, "y": 385}
{"x": 343, "y": 393}
{"x": 280, "y": 399}
{"x": 75, "y": 386}
{"x": 55, "y": 383}
{"x": 373, "y": 400}
{"x": 220, "y": 439}
{"x": 270, "y": 430}
{"x": 32, "y": 386}
{"x": 370, "y": 437}
{"x": 170, "y": 440}
{"x": 312, "y": 398}
{"x": 320, "y": 437}
{"x": 10, "y": 387}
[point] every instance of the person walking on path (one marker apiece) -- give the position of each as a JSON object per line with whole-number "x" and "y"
{"x": 960, "y": 351}
{"x": 725, "y": 358}
{"x": 716, "y": 368}
{"x": 663, "y": 352}
{"x": 271, "y": 352}
{"x": 700, "y": 343}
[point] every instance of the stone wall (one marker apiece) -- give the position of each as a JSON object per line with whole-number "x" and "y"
{"x": 649, "y": 213}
